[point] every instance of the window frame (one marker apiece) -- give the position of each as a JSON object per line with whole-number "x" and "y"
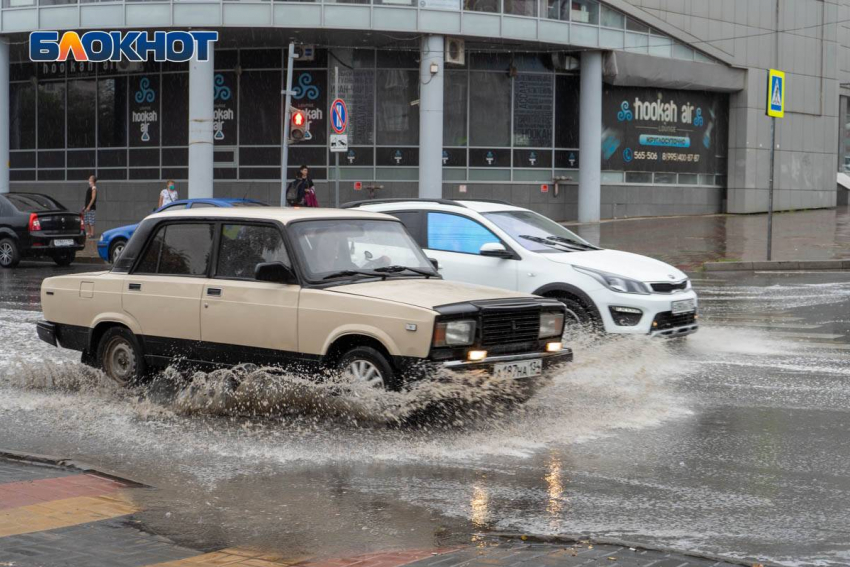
{"x": 265, "y": 224}
{"x": 152, "y": 236}
{"x": 427, "y": 224}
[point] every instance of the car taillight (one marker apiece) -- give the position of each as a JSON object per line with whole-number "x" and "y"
{"x": 82, "y": 223}
{"x": 35, "y": 224}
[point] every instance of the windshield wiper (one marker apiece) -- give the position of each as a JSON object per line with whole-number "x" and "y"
{"x": 396, "y": 269}
{"x": 572, "y": 242}
{"x": 563, "y": 246}
{"x": 347, "y": 273}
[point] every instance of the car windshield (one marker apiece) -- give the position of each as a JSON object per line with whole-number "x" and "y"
{"x": 331, "y": 249}
{"x": 33, "y": 203}
{"x": 531, "y": 230}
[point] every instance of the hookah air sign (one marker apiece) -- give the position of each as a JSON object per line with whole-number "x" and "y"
{"x": 663, "y": 130}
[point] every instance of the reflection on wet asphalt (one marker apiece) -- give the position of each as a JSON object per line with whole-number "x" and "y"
{"x": 732, "y": 442}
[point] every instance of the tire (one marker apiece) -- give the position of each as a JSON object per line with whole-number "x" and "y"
{"x": 578, "y": 318}
{"x": 10, "y": 256}
{"x": 120, "y": 356}
{"x": 116, "y": 248}
{"x": 367, "y": 366}
{"x": 64, "y": 258}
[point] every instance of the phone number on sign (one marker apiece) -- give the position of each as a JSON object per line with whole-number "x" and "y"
{"x": 689, "y": 158}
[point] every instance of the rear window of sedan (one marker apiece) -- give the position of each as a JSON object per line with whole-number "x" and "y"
{"x": 34, "y": 203}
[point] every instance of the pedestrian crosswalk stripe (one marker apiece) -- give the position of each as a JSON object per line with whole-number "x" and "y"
{"x": 63, "y": 513}
{"x": 235, "y": 557}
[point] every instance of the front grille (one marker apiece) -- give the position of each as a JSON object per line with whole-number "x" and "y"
{"x": 667, "y": 320}
{"x": 504, "y": 326}
{"x": 669, "y": 287}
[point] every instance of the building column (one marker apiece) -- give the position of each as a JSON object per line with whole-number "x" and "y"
{"x": 201, "y": 116}
{"x": 4, "y": 115}
{"x": 431, "y": 117}
{"x": 590, "y": 138}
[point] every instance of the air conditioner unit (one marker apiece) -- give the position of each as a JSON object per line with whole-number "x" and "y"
{"x": 455, "y": 51}
{"x": 125, "y": 66}
{"x": 564, "y": 62}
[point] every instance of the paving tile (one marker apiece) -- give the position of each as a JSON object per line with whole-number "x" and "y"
{"x": 25, "y": 493}
{"x": 13, "y": 471}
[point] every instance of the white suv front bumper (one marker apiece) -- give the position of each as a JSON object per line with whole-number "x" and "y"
{"x": 655, "y": 308}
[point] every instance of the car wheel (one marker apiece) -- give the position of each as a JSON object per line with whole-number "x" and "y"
{"x": 9, "y": 253}
{"x": 367, "y": 367}
{"x": 115, "y": 249}
{"x": 121, "y": 357}
{"x": 578, "y": 317}
{"x": 64, "y": 258}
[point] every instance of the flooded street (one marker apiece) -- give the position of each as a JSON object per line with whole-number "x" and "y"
{"x": 732, "y": 442}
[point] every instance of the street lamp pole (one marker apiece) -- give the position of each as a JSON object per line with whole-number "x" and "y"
{"x": 284, "y": 143}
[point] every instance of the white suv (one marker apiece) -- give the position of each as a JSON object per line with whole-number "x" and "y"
{"x": 497, "y": 244}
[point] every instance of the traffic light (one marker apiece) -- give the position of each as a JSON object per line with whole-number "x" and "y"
{"x": 299, "y": 125}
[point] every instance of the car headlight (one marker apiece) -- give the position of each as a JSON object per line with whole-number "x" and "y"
{"x": 454, "y": 333}
{"x": 616, "y": 283}
{"x": 551, "y": 324}
{"x": 102, "y": 237}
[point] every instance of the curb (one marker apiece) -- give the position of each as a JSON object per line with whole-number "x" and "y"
{"x": 62, "y": 463}
{"x": 573, "y": 539}
{"x": 777, "y": 266}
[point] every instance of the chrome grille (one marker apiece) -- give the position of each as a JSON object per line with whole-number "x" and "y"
{"x": 503, "y": 325}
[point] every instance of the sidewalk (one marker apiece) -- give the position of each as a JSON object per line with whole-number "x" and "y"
{"x": 55, "y": 516}
{"x": 689, "y": 242}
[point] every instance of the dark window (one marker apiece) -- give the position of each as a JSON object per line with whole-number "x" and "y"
{"x": 259, "y": 123}
{"x": 179, "y": 250}
{"x": 414, "y": 221}
{"x": 244, "y": 246}
{"x": 175, "y": 109}
{"x": 398, "y": 121}
{"x": 490, "y": 105}
{"x": 357, "y": 89}
{"x": 455, "y": 100}
{"x": 51, "y": 115}
{"x": 26, "y": 203}
{"x": 22, "y": 115}
{"x": 112, "y": 113}
{"x": 174, "y": 207}
{"x": 566, "y": 113}
{"x": 261, "y": 58}
{"x": 202, "y": 206}
{"x": 533, "y": 109}
{"x": 81, "y": 114}
{"x": 454, "y": 233}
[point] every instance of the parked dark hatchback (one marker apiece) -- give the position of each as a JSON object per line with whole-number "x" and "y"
{"x": 33, "y": 225}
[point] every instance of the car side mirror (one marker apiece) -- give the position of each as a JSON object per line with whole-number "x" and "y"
{"x": 495, "y": 250}
{"x": 434, "y": 263}
{"x": 275, "y": 272}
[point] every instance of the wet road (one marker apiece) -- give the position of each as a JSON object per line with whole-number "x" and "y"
{"x": 733, "y": 442}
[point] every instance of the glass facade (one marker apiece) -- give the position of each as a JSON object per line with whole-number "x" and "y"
{"x": 508, "y": 118}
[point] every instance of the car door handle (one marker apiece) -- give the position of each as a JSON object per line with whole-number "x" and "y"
{"x": 214, "y": 291}
{"x": 135, "y": 287}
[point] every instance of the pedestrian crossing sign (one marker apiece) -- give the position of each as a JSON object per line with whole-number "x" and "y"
{"x": 776, "y": 93}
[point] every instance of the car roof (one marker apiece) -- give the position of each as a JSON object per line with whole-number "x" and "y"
{"x": 457, "y": 205}
{"x": 281, "y": 214}
{"x": 217, "y": 200}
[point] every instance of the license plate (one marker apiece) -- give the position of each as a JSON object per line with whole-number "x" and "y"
{"x": 684, "y": 306}
{"x": 63, "y": 242}
{"x": 520, "y": 369}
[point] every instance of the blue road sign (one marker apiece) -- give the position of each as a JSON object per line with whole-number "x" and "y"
{"x": 339, "y": 116}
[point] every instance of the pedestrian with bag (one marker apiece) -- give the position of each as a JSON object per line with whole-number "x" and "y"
{"x": 168, "y": 195}
{"x": 297, "y": 190}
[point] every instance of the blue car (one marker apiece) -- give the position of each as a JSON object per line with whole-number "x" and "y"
{"x": 112, "y": 242}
